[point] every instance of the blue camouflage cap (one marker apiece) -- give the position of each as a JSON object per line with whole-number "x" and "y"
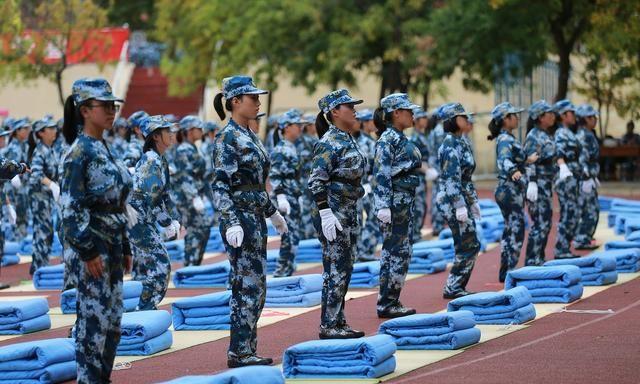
{"x": 170, "y": 118}
{"x": 191, "y": 121}
{"x": 20, "y": 123}
{"x": 209, "y": 126}
{"x": 396, "y": 101}
{"x": 539, "y": 108}
{"x": 150, "y": 124}
{"x": 8, "y": 123}
{"x": 419, "y": 113}
{"x": 43, "y": 123}
{"x": 292, "y": 116}
{"x": 309, "y": 118}
{"x": 60, "y": 122}
{"x": 336, "y": 98}
{"x": 451, "y": 110}
{"x": 92, "y": 88}
{"x": 120, "y": 122}
{"x": 586, "y": 110}
{"x": 503, "y": 109}
{"x": 240, "y": 85}
{"x": 563, "y": 106}
{"x": 136, "y": 117}
{"x": 364, "y": 115}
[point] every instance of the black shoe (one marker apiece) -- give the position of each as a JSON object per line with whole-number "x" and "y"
{"x": 339, "y": 333}
{"x": 236, "y": 362}
{"x": 357, "y": 334}
{"x": 455, "y": 295}
{"x": 587, "y": 247}
{"x": 4, "y": 285}
{"x": 570, "y": 256}
{"x": 397, "y": 311}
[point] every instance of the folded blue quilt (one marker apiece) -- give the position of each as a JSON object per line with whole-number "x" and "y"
{"x": 447, "y": 341}
{"x": 244, "y": 375}
{"x": 557, "y": 295}
{"x": 367, "y": 357}
{"x": 35, "y": 324}
{"x": 175, "y": 248}
{"x": 8, "y": 260}
{"x": 141, "y": 326}
{"x": 131, "y": 291}
{"x": 272, "y": 260}
{"x": 50, "y": 277}
{"x": 627, "y": 260}
{"x": 631, "y": 225}
{"x": 204, "y": 312}
{"x": 427, "y": 254}
{"x": 446, "y": 245}
{"x": 12, "y": 312}
{"x": 11, "y": 248}
{"x": 214, "y": 244}
{"x": 543, "y": 277}
{"x": 601, "y": 278}
{"x": 294, "y": 285}
{"x": 365, "y": 275}
{"x": 633, "y": 236}
{"x": 596, "y": 269}
{"x": 305, "y": 300}
{"x": 492, "y": 303}
{"x": 621, "y": 244}
{"x": 203, "y": 276}
{"x": 427, "y": 267}
{"x": 40, "y": 361}
{"x": 147, "y": 347}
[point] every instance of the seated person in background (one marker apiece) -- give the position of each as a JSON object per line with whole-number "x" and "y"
{"x": 630, "y": 163}
{"x": 630, "y": 138}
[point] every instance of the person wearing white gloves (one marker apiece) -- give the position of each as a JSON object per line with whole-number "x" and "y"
{"x": 335, "y": 182}
{"x": 510, "y": 190}
{"x": 189, "y": 187}
{"x": 17, "y": 189}
{"x": 397, "y": 172}
{"x": 566, "y": 186}
{"x": 588, "y": 205}
{"x": 285, "y": 184}
{"x": 151, "y": 202}
{"x": 241, "y": 166}
{"x": 540, "y": 174}
{"x": 457, "y": 198}
{"x": 44, "y": 190}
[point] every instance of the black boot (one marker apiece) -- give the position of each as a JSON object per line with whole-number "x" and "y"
{"x": 396, "y": 311}
{"x": 244, "y": 361}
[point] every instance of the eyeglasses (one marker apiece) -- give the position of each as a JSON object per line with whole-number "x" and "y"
{"x": 109, "y": 107}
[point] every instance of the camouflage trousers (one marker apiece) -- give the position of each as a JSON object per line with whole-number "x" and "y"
{"x": 151, "y": 264}
{"x": 42, "y": 207}
{"x": 21, "y": 205}
{"x": 420, "y": 209}
{"x": 198, "y": 226}
{"x": 541, "y": 212}
{"x": 307, "y": 230}
{"x": 337, "y": 260}
{"x": 368, "y": 238}
{"x": 99, "y": 312}
{"x": 466, "y": 245}
{"x": 567, "y": 191}
{"x": 289, "y": 241}
{"x": 437, "y": 218}
{"x": 589, "y": 213}
{"x": 248, "y": 283}
{"x": 396, "y": 250}
{"x": 510, "y": 198}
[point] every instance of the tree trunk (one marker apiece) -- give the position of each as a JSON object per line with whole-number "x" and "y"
{"x": 425, "y": 94}
{"x": 563, "y": 73}
{"x": 59, "y": 84}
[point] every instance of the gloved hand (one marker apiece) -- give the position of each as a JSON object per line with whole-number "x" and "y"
{"x": 367, "y": 189}
{"x": 132, "y": 216}
{"x": 234, "y": 236}
{"x": 597, "y": 182}
{"x": 13, "y": 216}
{"x": 588, "y": 185}
{"x": 475, "y": 211}
{"x": 16, "y": 182}
{"x": 461, "y": 214}
{"x": 384, "y": 215}
{"x": 532, "y": 191}
{"x": 198, "y": 204}
{"x": 171, "y": 231}
{"x": 564, "y": 172}
{"x": 283, "y": 204}
{"x": 431, "y": 174}
{"x": 132, "y": 170}
{"x": 55, "y": 190}
{"x": 330, "y": 224}
{"x": 278, "y": 221}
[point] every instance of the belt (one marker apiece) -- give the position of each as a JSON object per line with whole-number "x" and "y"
{"x": 343, "y": 180}
{"x": 250, "y": 188}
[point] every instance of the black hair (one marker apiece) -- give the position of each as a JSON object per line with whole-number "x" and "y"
{"x": 432, "y": 123}
{"x": 581, "y": 121}
{"x": 322, "y": 123}
{"x": 556, "y": 124}
{"x": 278, "y": 135}
{"x": 217, "y": 104}
{"x": 495, "y": 126}
{"x": 180, "y": 137}
{"x": 32, "y": 146}
{"x": 531, "y": 123}
{"x": 450, "y": 125}
{"x": 381, "y": 120}
{"x": 72, "y": 119}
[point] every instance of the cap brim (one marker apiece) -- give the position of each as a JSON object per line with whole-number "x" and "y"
{"x": 353, "y": 101}
{"x": 255, "y": 92}
{"x": 516, "y": 110}
{"x": 109, "y": 98}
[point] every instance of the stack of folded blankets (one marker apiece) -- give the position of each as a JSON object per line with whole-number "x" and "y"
{"x": 271, "y": 230}
{"x": 245, "y": 375}
{"x": 131, "y": 291}
{"x": 621, "y": 244}
{"x": 446, "y": 245}
{"x": 26, "y": 246}
{"x": 631, "y": 225}
{"x": 596, "y": 269}
{"x": 512, "y": 306}
{"x": 214, "y": 244}
{"x": 557, "y": 284}
{"x": 627, "y": 260}
{"x": 175, "y": 248}
{"x": 40, "y": 361}
{"x": 144, "y": 333}
{"x": 367, "y": 357}
{"x": 204, "y": 312}
{"x": 294, "y": 291}
{"x": 605, "y": 202}
{"x": 11, "y": 250}
{"x": 50, "y": 277}
{"x": 624, "y": 220}
{"x": 427, "y": 260}
{"x": 24, "y": 316}
{"x": 309, "y": 251}
{"x": 365, "y": 275}
{"x": 272, "y": 260}
{"x": 450, "y": 330}
{"x": 203, "y": 276}
{"x": 633, "y": 236}
{"x": 492, "y": 228}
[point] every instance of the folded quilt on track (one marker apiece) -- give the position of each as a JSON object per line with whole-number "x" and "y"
{"x": 427, "y": 261}
{"x": 621, "y": 244}
{"x": 203, "y": 276}
{"x": 595, "y": 269}
{"x": 40, "y": 361}
{"x": 203, "y": 312}
{"x": 552, "y": 284}
{"x": 144, "y": 333}
{"x": 272, "y": 260}
{"x": 365, "y": 275}
{"x": 294, "y": 291}
{"x": 446, "y": 245}
{"x": 10, "y": 259}
{"x": 367, "y": 357}
{"x": 244, "y": 375}
{"x": 131, "y": 291}
{"x": 627, "y": 259}
{"x": 633, "y": 236}
{"x": 24, "y": 316}
{"x": 512, "y": 306}
{"x": 175, "y": 248}
{"x": 309, "y": 251}
{"x": 49, "y": 277}
{"x": 214, "y": 244}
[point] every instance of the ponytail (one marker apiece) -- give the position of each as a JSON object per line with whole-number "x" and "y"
{"x": 530, "y": 124}
{"x": 72, "y": 119}
{"x": 32, "y": 146}
{"x": 379, "y": 121}
{"x": 495, "y": 125}
{"x": 217, "y": 105}
{"x": 276, "y": 136}
{"x": 322, "y": 126}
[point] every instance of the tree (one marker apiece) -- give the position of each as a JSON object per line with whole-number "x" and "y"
{"x": 40, "y": 36}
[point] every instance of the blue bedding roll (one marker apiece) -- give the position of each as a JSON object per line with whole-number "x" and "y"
{"x": 50, "y": 277}
{"x": 40, "y": 361}
{"x": 633, "y": 236}
{"x": 365, "y": 275}
{"x": 11, "y": 259}
{"x": 518, "y": 316}
{"x": 420, "y": 325}
{"x": 627, "y": 260}
{"x": 244, "y": 375}
{"x": 210, "y": 310}
{"x": 600, "y": 278}
{"x": 557, "y": 295}
{"x": 131, "y": 291}
{"x": 621, "y": 244}
{"x": 543, "y": 277}
{"x": 427, "y": 267}
{"x": 15, "y": 311}
{"x": 141, "y": 326}
{"x": 203, "y": 276}
{"x": 598, "y": 267}
{"x": 147, "y": 347}
{"x": 293, "y": 285}
{"x": 310, "y": 299}
{"x": 35, "y": 324}
{"x": 489, "y": 303}
{"x": 11, "y": 248}
{"x": 447, "y": 341}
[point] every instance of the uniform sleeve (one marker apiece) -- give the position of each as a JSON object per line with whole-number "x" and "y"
{"x": 9, "y": 168}
{"x": 451, "y": 177}
{"x": 562, "y": 144}
{"x": 320, "y": 173}
{"x": 383, "y": 192}
{"x": 281, "y": 169}
{"x": 504, "y": 154}
{"x": 432, "y": 158}
{"x": 184, "y": 177}
{"x": 583, "y": 158}
{"x": 530, "y": 146}
{"x": 225, "y": 163}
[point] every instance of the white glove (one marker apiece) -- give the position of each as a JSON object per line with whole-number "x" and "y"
{"x": 475, "y": 211}
{"x": 235, "y": 235}
{"x": 16, "y": 182}
{"x": 55, "y": 190}
{"x": 564, "y": 172}
{"x": 597, "y": 182}
{"x": 384, "y": 215}
{"x": 588, "y": 185}
{"x": 431, "y": 174}
{"x": 278, "y": 221}
{"x": 132, "y": 216}
{"x": 132, "y": 170}
{"x": 461, "y": 214}
{"x": 198, "y": 204}
{"x": 532, "y": 191}
{"x": 283, "y": 204}
{"x": 12, "y": 214}
{"x": 329, "y": 224}
{"x": 171, "y": 231}
{"x": 367, "y": 189}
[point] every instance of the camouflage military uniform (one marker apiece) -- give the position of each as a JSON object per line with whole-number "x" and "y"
{"x": 588, "y": 205}
{"x": 370, "y": 229}
{"x": 8, "y": 169}
{"x": 567, "y": 148}
{"x": 17, "y": 151}
{"x": 134, "y": 152}
{"x": 435, "y": 138}
{"x": 421, "y": 141}
{"x": 305, "y": 144}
